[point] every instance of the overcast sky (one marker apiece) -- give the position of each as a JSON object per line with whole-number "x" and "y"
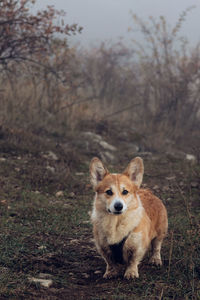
{"x": 110, "y": 19}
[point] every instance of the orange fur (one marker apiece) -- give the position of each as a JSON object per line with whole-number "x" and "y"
{"x": 126, "y": 219}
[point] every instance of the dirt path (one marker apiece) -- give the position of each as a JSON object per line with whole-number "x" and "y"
{"x": 45, "y": 225}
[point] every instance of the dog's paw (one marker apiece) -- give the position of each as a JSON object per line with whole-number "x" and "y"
{"x": 131, "y": 273}
{"x": 155, "y": 261}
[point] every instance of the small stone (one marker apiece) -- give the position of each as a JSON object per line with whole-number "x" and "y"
{"x": 42, "y": 247}
{"x": 44, "y": 282}
{"x": 166, "y": 189}
{"x": 85, "y": 275}
{"x": 3, "y": 201}
{"x": 2, "y": 159}
{"x": 79, "y": 174}
{"x": 194, "y": 185}
{"x": 191, "y": 157}
{"x": 59, "y": 194}
{"x": 51, "y": 169}
{"x": 71, "y": 195}
{"x": 74, "y": 241}
{"x": 97, "y": 272}
{"x": 156, "y": 187}
{"x": 50, "y": 155}
{"x": 67, "y": 205}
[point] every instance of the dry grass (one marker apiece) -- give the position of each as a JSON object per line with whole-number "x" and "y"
{"x": 152, "y": 92}
{"x": 155, "y": 93}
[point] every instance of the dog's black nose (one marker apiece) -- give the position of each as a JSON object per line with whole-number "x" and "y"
{"x": 118, "y": 206}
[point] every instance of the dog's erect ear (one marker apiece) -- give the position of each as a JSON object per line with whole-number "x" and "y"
{"x": 97, "y": 171}
{"x": 135, "y": 171}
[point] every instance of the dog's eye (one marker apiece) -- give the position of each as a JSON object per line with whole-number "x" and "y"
{"x": 125, "y": 192}
{"x": 109, "y": 192}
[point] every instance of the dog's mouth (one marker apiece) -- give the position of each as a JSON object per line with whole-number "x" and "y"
{"x": 115, "y": 212}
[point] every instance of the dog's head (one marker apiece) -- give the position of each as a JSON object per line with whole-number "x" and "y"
{"x": 116, "y": 192}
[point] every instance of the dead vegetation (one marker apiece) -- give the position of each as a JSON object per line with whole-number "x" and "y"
{"x": 150, "y": 85}
{"x": 152, "y": 88}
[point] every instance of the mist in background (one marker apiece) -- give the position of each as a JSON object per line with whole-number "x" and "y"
{"x": 111, "y": 19}
{"x": 90, "y": 79}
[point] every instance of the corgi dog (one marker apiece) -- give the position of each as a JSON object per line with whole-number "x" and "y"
{"x": 126, "y": 219}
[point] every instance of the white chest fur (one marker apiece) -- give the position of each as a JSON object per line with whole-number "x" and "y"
{"x": 113, "y": 228}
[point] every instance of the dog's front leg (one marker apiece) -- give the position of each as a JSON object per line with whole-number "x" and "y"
{"x": 132, "y": 269}
{"x": 112, "y": 269}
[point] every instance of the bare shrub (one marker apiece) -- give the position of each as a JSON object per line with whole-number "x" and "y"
{"x": 169, "y": 76}
{"x": 34, "y": 64}
{"x": 33, "y": 97}
{"x": 154, "y": 88}
{"x": 23, "y": 35}
{"x": 108, "y": 80}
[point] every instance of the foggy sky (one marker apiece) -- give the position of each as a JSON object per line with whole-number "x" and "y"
{"x": 110, "y": 19}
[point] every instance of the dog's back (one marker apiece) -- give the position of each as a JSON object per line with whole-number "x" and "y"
{"x": 155, "y": 210}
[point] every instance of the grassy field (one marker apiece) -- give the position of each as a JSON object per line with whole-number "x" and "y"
{"x": 46, "y": 232}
